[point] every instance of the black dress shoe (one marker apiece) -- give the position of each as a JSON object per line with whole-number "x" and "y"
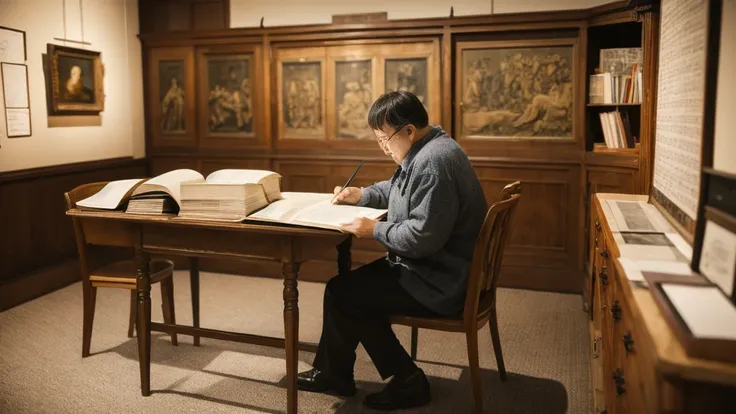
{"x": 315, "y": 380}
{"x": 407, "y": 393}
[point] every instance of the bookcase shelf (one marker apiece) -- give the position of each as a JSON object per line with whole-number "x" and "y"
{"x": 628, "y": 120}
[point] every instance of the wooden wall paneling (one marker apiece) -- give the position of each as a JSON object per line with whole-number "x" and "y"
{"x": 230, "y": 96}
{"x": 38, "y": 241}
{"x": 447, "y": 74}
{"x": 209, "y": 166}
{"x": 170, "y": 106}
{"x": 210, "y": 14}
{"x": 543, "y": 245}
{"x": 162, "y": 164}
{"x": 650, "y": 48}
{"x": 166, "y": 16}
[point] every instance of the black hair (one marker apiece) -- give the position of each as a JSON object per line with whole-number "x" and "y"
{"x": 397, "y": 109}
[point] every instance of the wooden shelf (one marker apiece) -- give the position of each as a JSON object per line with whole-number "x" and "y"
{"x": 619, "y": 104}
{"x": 603, "y": 148}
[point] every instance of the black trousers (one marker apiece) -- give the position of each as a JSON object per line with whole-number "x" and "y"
{"x": 357, "y": 306}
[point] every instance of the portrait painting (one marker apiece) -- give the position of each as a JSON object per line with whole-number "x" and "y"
{"x": 516, "y": 93}
{"x": 301, "y": 99}
{"x": 75, "y": 80}
{"x": 230, "y": 100}
{"x": 353, "y": 98}
{"x": 407, "y": 74}
{"x": 171, "y": 96}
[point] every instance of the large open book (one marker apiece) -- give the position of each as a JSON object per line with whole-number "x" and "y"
{"x": 161, "y": 194}
{"x": 229, "y": 193}
{"x": 312, "y": 210}
{"x": 113, "y": 195}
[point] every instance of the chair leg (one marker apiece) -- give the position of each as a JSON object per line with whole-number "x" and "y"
{"x": 167, "y": 305}
{"x": 475, "y": 375}
{"x": 414, "y": 338}
{"x": 493, "y": 326}
{"x": 133, "y": 312}
{"x": 194, "y": 287}
{"x": 89, "y": 297}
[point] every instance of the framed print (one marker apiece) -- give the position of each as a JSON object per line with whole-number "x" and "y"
{"x": 353, "y": 98}
{"x": 76, "y": 81}
{"x": 515, "y": 90}
{"x": 228, "y": 97}
{"x": 301, "y": 94}
{"x": 13, "y": 45}
{"x": 17, "y": 101}
{"x": 408, "y": 74}
{"x": 171, "y": 96}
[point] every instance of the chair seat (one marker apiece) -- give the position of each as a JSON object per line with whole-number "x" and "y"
{"x": 123, "y": 273}
{"x": 441, "y": 324}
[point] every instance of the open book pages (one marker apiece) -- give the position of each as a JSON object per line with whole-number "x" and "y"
{"x": 313, "y": 210}
{"x": 161, "y": 194}
{"x": 112, "y": 196}
{"x": 229, "y": 194}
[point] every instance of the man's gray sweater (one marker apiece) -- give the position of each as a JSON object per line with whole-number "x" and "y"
{"x": 435, "y": 207}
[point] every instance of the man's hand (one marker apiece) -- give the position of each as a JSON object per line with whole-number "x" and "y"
{"x": 349, "y": 195}
{"x": 362, "y": 227}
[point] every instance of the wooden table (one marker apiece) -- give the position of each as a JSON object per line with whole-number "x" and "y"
{"x": 167, "y": 235}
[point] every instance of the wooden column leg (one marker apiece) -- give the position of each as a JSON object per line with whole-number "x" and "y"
{"x": 414, "y": 340}
{"x": 133, "y": 314}
{"x": 194, "y": 285}
{"x": 143, "y": 326}
{"x": 167, "y": 305}
{"x": 344, "y": 256}
{"x": 290, "y": 272}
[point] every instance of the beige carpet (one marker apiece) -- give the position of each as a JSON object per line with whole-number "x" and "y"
{"x": 41, "y": 370}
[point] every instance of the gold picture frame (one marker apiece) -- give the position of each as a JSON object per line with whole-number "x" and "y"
{"x": 76, "y": 81}
{"x": 301, "y": 86}
{"x": 516, "y": 90}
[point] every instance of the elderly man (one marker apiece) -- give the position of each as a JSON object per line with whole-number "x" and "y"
{"x": 435, "y": 208}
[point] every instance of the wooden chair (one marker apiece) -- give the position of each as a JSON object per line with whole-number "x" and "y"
{"x": 119, "y": 274}
{"x": 480, "y": 299}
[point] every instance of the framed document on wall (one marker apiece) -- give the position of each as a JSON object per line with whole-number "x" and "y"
{"x": 171, "y": 97}
{"x": 686, "y": 88}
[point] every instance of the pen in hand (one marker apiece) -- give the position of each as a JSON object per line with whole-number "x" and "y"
{"x": 347, "y": 183}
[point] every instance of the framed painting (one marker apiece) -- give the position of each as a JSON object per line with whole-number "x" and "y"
{"x": 408, "y": 74}
{"x": 171, "y": 96}
{"x": 353, "y": 97}
{"x": 301, "y": 80}
{"x": 516, "y": 90}
{"x": 228, "y": 97}
{"x": 75, "y": 81}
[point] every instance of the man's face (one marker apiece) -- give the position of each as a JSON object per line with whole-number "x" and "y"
{"x": 395, "y": 142}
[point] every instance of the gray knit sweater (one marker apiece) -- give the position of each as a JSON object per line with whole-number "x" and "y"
{"x": 435, "y": 207}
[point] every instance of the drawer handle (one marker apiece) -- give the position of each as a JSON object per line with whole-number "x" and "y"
{"x": 628, "y": 342}
{"x": 604, "y": 254}
{"x": 597, "y": 225}
{"x": 596, "y": 346}
{"x": 618, "y": 378}
{"x": 616, "y": 311}
{"x": 604, "y": 279}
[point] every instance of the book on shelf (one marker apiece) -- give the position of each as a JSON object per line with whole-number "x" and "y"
{"x": 610, "y": 89}
{"x": 616, "y": 127}
{"x": 229, "y": 193}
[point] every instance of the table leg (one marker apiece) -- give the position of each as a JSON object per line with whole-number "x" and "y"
{"x": 143, "y": 325}
{"x": 291, "y": 331}
{"x": 344, "y": 256}
{"x": 194, "y": 285}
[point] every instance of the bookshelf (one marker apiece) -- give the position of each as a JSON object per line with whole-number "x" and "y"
{"x": 619, "y": 130}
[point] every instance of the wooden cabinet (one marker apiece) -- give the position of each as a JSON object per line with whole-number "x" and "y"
{"x": 637, "y": 364}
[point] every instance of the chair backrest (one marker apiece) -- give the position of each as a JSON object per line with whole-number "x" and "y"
{"x": 488, "y": 253}
{"x": 72, "y": 197}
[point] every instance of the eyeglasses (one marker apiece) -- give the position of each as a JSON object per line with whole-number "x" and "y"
{"x": 383, "y": 141}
